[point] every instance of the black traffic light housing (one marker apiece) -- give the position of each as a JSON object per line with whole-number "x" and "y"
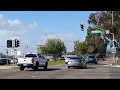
{"x": 82, "y": 27}
{"x": 17, "y": 43}
{"x": 115, "y": 44}
{"x": 9, "y": 43}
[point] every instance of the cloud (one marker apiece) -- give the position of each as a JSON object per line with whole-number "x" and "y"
{"x": 67, "y": 38}
{"x": 32, "y": 25}
{"x": 14, "y": 22}
{"x": 13, "y": 28}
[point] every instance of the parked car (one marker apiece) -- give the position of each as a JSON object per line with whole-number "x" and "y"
{"x": 77, "y": 62}
{"x": 91, "y": 59}
{"x": 4, "y": 61}
{"x": 49, "y": 58}
{"x": 13, "y": 61}
{"x": 61, "y": 58}
{"x": 66, "y": 59}
{"x": 100, "y": 57}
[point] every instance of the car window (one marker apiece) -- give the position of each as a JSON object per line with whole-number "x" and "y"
{"x": 42, "y": 57}
{"x": 75, "y": 57}
{"x": 39, "y": 55}
{"x": 83, "y": 59}
{"x": 91, "y": 56}
{"x": 30, "y": 55}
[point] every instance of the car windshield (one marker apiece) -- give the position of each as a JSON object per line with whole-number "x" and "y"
{"x": 75, "y": 57}
{"x": 30, "y": 55}
{"x": 91, "y": 56}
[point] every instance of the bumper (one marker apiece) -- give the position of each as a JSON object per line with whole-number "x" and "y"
{"x": 26, "y": 65}
{"x": 75, "y": 64}
{"x": 91, "y": 61}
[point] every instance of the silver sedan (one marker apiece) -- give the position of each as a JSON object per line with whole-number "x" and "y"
{"x": 77, "y": 62}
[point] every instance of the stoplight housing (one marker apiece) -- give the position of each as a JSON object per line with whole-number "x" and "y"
{"x": 82, "y": 27}
{"x": 9, "y": 43}
{"x": 17, "y": 43}
{"x": 115, "y": 44}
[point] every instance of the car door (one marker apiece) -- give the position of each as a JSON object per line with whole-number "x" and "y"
{"x": 44, "y": 60}
{"x": 40, "y": 59}
{"x": 83, "y": 62}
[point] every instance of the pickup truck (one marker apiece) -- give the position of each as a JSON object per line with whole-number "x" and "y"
{"x": 32, "y": 60}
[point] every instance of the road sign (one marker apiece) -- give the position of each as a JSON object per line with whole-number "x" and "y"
{"x": 107, "y": 31}
{"x": 96, "y": 31}
{"x": 114, "y": 50}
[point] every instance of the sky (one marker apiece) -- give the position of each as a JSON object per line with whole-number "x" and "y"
{"x": 33, "y": 28}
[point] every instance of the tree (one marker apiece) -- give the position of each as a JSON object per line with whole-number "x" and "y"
{"x": 55, "y": 47}
{"x": 99, "y": 20}
{"x": 43, "y": 50}
{"x": 80, "y": 47}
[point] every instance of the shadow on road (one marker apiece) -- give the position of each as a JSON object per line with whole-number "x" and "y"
{"x": 49, "y": 69}
{"x": 91, "y": 68}
{"x": 83, "y": 68}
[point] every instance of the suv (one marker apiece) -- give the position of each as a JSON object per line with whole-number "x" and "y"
{"x": 99, "y": 57}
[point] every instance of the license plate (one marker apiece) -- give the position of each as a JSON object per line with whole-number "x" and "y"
{"x": 24, "y": 64}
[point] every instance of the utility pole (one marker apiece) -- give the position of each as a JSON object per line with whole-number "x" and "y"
{"x": 113, "y": 38}
{"x": 7, "y": 56}
{"x": 13, "y": 52}
{"x": 26, "y": 46}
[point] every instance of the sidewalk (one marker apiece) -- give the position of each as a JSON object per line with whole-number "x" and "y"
{"x": 8, "y": 67}
{"x": 110, "y": 62}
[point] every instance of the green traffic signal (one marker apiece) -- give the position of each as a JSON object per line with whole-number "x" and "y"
{"x": 82, "y": 27}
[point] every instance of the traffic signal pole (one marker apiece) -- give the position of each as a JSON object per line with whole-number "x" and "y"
{"x": 113, "y": 40}
{"x": 13, "y": 51}
{"x": 13, "y": 47}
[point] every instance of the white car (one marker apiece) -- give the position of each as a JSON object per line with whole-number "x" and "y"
{"x": 66, "y": 59}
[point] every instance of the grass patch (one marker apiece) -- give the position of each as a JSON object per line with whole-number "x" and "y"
{"x": 7, "y": 65}
{"x": 56, "y": 62}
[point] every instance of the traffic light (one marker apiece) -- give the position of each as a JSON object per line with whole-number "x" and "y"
{"x": 115, "y": 44}
{"x": 9, "y": 43}
{"x": 82, "y": 27}
{"x": 17, "y": 43}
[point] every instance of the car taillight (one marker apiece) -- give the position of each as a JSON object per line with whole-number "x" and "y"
{"x": 69, "y": 60}
{"x": 80, "y": 60}
{"x": 16, "y": 60}
{"x": 32, "y": 60}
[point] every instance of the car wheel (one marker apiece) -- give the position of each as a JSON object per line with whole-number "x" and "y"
{"x": 96, "y": 62}
{"x": 68, "y": 67}
{"x": 85, "y": 67}
{"x": 22, "y": 68}
{"x": 36, "y": 67}
{"x": 45, "y": 67}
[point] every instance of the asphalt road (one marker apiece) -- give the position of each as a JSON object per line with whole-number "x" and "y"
{"x": 62, "y": 72}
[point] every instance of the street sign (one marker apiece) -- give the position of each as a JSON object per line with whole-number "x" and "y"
{"x": 114, "y": 50}
{"x": 96, "y": 31}
{"x": 107, "y": 31}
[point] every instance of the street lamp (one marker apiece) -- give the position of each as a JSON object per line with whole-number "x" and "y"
{"x": 26, "y": 46}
